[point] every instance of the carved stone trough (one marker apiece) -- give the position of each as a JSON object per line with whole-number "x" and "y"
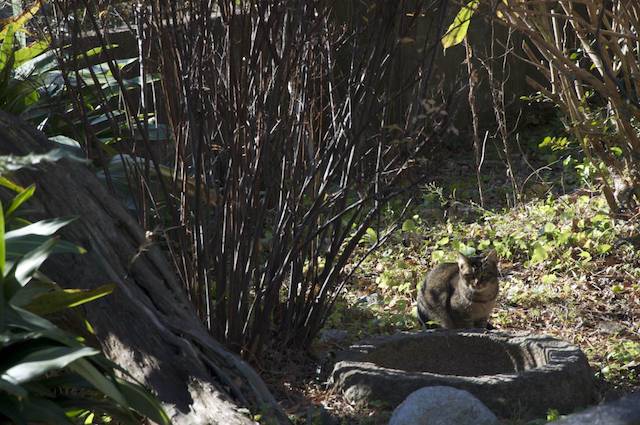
{"x": 515, "y": 374}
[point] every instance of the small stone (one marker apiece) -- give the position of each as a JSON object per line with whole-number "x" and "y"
{"x": 442, "y": 406}
{"x": 369, "y": 300}
{"x": 625, "y": 411}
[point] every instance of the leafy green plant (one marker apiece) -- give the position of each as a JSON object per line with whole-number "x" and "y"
{"x": 32, "y": 84}
{"x": 555, "y": 143}
{"x": 17, "y": 94}
{"x": 46, "y": 374}
{"x": 554, "y": 233}
{"x": 623, "y": 361}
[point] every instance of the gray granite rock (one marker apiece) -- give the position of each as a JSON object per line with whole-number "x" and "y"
{"x": 625, "y": 411}
{"x": 442, "y": 406}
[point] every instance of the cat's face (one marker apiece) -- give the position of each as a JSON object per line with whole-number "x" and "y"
{"x": 478, "y": 272}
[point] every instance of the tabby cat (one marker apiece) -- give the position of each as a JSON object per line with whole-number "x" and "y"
{"x": 460, "y": 295}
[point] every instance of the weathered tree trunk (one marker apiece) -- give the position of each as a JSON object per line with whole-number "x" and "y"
{"x": 147, "y": 325}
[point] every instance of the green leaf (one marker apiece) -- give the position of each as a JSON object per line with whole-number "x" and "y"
{"x": 617, "y": 288}
{"x": 409, "y": 226}
{"x": 98, "y": 380}
{"x": 24, "y": 295}
{"x": 539, "y": 253}
{"x": 13, "y": 389}
{"x": 6, "y": 58}
{"x": 69, "y": 145}
{"x": 616, "y": 150}
{"x": 27, "y": 320}
{"x": 3, "y": 249}
{"x": 42, "y": 228}
{"x": 549, "y": 279}
{"x": 43, "y": 411}
{"x": 17, "y": 247}
{"x": 549, "y": 228}
{"x": 442, "y": 241}
{"x": 18, "y": 22}
{"x": 603, "y": 248}
{"x": 564, "y": 236}
{"x": 466, "y": 249}
{"x": 437, "y": 256}
{"x": 458, "y": 29}
{"x": 32, "y": 261}
{"x": 44, "y": 360}
{"x": 96, "y": 51}
{"x": 13, "y": 163}
{"x": 553, "y": 415}
{"x": 31, "y": 51}
{"x": 484, "y": 244}
{"x": 5, "y": 182}
{"x": 372, "y": 235}
{"x": 19, "y": 199}
{"x": 12, "y": 410}
{"x": 140, "y": 400}
{"x": 62, "y": 299}
{"x": 39, "y": 65}
{"x": 585, "y": 255}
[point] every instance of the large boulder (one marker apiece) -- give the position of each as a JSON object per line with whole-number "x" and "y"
{"x": 442, "y": 406}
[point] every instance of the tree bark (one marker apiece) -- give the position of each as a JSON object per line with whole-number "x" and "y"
{"x": 147, "y": 325}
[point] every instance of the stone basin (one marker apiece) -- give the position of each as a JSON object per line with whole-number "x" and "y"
{"x": 516, "y": 374}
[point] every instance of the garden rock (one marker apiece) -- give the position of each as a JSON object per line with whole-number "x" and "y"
{"x": 442, "y": 406}
{"x": 516, "y": 374}
{"x": 625, "y": 411}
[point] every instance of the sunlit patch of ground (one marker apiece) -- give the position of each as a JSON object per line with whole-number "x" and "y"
{"x": 567, "y": 270}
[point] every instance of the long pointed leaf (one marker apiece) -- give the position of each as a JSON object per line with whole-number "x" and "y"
{"x": 43, "y": 361}
{"x": 59, "y": 300}
{"x": 31, "y": 51}
{"x": 32, "y": 261}
{"x": 143, "y": 403}
{"x": 25, "y": 295}
{"x": 17, "y": 247}
{"x": 6, "y": 56}
{"x": 42, "y": 228}
{"x": 98, "y": 380}
{"x": 41, "y": 410}
{"x": 13, "y": 163}
{"x": 19, "y": 199}
{"x": 3, "y": 248}
{"x": 10, "y": 185}
{"x": 10, "y": 409}
{"x": 20, "y": 318}
{"x": 19, "y": 21}
{"x": 13, "y": 389}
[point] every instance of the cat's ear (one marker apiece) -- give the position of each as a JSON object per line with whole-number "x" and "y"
{"x": 492, "y": 256}
{"x": 463, "y": 263}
